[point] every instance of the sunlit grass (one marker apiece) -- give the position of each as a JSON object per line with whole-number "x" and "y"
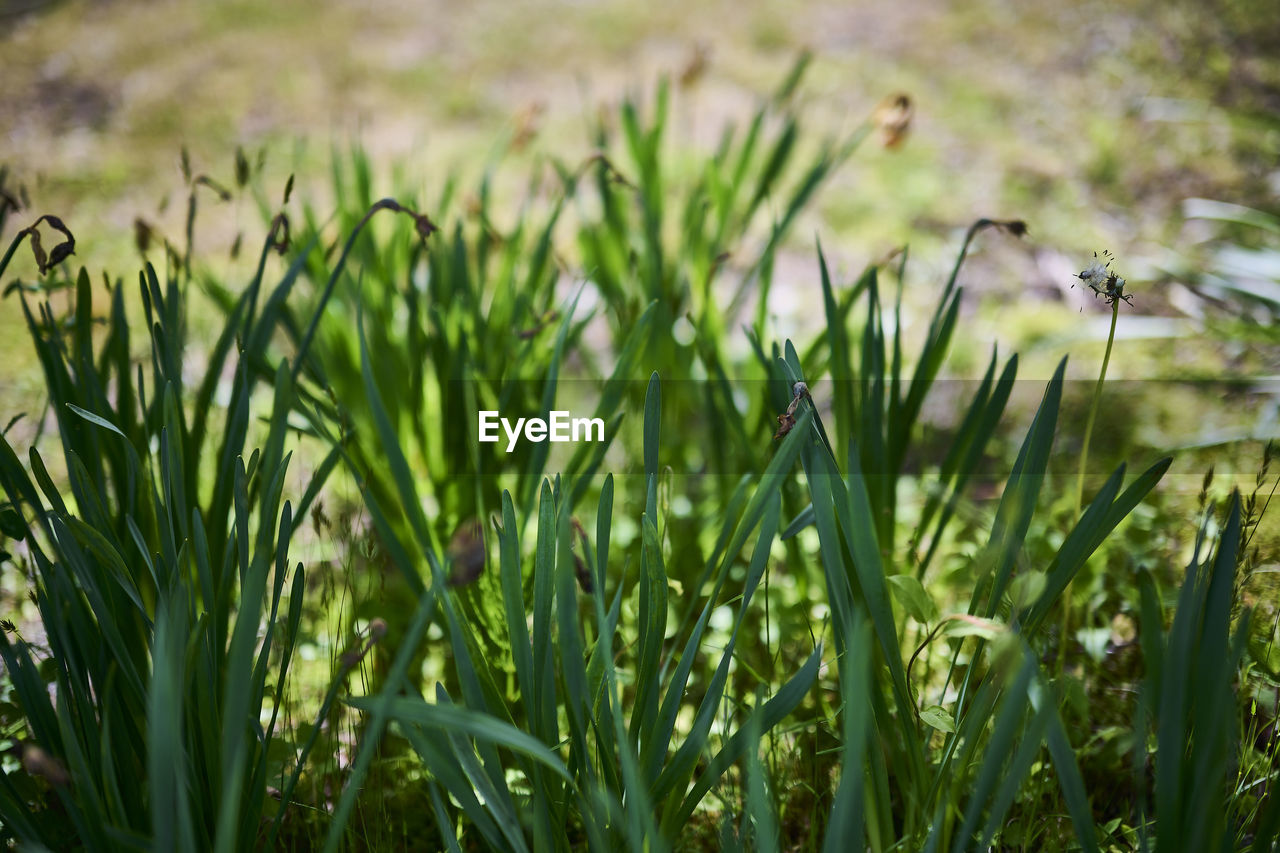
{"x": 803, "y": 594}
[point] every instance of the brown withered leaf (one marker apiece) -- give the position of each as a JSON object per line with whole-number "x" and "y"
{"x": 36, "y": 248}
{"x": 696, "y": 65}
{"x": 58, "y": 253}
{"x": 424, "y": 226}
{"x": 787, "y": 420}
{"x": 583, "y": 575}
{"x": 892, "y": 117}
{"x": 785, "y": 423}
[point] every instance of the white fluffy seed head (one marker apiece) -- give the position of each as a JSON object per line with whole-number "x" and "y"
{"x": 1098, "y": 272}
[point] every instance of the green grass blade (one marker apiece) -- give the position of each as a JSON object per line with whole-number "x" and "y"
{"x": 171, "y": 823}
{"x": 845, "y": 827}
{"x": 771, "y": 713}
{"x": 674, "y": 777}
{"x": 452, "y": 718}
{"x": 1017, "y": 504}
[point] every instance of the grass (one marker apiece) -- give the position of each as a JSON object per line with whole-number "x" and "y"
{"x": 153, "y": 580}
{"x": 774, "y": 608}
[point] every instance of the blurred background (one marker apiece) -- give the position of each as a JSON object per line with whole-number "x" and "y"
{"x": 1142, "y": 127}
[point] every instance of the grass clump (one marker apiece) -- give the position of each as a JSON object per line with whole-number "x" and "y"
{"x": 170, "y": 613}
{"x": 748, "y": 618}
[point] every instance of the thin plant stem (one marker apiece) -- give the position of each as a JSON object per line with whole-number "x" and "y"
{"x": 1093, "y": 407}
{"x": 1084, "y": 463}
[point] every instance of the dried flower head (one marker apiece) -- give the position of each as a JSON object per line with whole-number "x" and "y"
{"x": 1103, "y": 281}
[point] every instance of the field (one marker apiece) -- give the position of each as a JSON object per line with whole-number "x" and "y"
{"x": 926, "y": 394}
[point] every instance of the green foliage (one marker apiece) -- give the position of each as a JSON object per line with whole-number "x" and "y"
{"x": 160, "y": 582}
{"x": 882, "y": 671}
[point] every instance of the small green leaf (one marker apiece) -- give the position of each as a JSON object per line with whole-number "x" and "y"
{"x": 936, "y": 717}
{"x": 1094, "y": 641}
{"x": 11, "y": 523}
{"x": 973, "y": 626}
{"x": 1027, "y": 588}
{"x": 95, "y": 419}
{"x": 911, "y": 594}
